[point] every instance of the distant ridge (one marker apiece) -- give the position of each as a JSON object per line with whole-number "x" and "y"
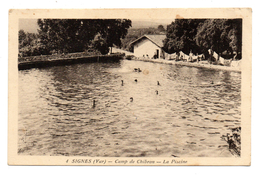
{"x": 147, "y": 24}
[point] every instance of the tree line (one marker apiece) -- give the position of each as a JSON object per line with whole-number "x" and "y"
{"x": 73, "y": 35}
{"x": 224, "y": 36}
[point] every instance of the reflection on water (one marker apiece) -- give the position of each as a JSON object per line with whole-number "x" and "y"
{"x": 186, "y": 118}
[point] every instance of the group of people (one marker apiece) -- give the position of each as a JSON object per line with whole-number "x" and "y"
{"x": 213, "y": 57}
{"x": 220, "y": 60}
{"x": 181, "y": 56}
{"x": 146, "y": 56}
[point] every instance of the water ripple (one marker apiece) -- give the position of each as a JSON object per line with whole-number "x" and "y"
{"x": 184, "y": 116}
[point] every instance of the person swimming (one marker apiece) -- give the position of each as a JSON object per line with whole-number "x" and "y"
{"x": 94, "y": 104}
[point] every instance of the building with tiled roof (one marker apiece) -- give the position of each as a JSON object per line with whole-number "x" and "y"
{"x": 149, "y": 46}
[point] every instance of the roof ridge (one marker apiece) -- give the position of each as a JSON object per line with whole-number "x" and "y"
{"x": 158, "y": 43}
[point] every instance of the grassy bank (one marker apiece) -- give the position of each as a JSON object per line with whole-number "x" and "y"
{"x": 204, "y": 64}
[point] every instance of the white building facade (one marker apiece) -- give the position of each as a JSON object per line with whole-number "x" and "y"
{"x": 149, "y": 46}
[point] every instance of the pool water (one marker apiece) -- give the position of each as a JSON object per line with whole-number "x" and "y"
{"x": 184, "y": 116}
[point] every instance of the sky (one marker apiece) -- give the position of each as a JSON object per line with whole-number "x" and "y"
{"x": 30, "y": 25}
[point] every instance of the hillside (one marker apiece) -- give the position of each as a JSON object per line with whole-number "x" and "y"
{"x": 134, "y": 33}
{"x": 147, "y": 24}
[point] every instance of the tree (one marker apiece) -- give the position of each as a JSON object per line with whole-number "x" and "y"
{"x": 100, "y": 44}
{"x": 22, "y": 36}
{"x": 113, "y": 30}
{"x": 75, "y": 35}
{"x": 181, "y": 34}
{"x": 235, "y": 36}
{"x": 199, "y": 35}
{"x": 61, "y": 35}
{"x": 29, "y": 44}
{"x": 212, "y": 35}
{"x": 220, "y": 35}
{"x": 161, "y": 28}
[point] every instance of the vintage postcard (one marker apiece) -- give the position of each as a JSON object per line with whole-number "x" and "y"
{"x": 149, "y": 87}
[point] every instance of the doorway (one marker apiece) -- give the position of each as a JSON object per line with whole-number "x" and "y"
{"x": 157, "y": 53}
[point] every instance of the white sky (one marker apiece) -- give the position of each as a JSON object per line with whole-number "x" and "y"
{"x": 28, "y": 25}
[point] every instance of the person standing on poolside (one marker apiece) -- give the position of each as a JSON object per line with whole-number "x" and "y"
{"x": 190, "y": 56}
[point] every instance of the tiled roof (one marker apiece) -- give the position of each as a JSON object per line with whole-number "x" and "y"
{"x": 156, "y": 39}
